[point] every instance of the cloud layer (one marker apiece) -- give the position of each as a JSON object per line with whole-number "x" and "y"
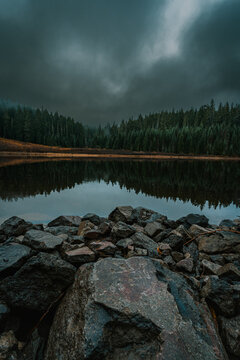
{"x": 102, "y": 61}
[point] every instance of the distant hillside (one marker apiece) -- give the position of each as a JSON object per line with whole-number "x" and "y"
{"x": 204, "y": 131}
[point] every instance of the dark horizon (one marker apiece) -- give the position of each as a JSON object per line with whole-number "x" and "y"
{"x": 103, "y": 62}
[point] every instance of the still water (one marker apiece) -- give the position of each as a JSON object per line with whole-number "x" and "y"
{"x": 41, "y": 191}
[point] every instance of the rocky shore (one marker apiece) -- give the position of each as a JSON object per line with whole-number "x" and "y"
{"x": 135, "y": 285}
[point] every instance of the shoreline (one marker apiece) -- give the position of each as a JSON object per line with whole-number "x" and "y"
{"x": 66, "y": 156}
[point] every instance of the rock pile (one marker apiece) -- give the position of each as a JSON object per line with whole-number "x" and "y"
{"x": 135, "y": 285}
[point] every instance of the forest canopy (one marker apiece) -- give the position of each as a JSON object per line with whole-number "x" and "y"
{"x": 208, "y": 130}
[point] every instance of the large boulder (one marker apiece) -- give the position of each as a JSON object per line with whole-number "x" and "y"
{"x": 65, "y": 220}
{"x": 14, "y": 226}
{"x": 58, "y": 230}
{"x": 38, "y": 282}
{"x": 132, "y": 309}
{"x": 12, "y": 257}
{"x": 42, "y": 241}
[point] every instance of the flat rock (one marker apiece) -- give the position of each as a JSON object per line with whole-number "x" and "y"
{"x": 121, "y": 213}
{"x": 38, "y": 282}
{"x": 210, "y": 268}
{"x": 219, "y": 243}
{"x": 122, "y": 230}
{"x": 80, "y": 255}
{"x": 143, "y": 241}
{"x": 12, "y": 257}
{"x": 66, "y": 220}
{"x": 153, "y": 228}
{"x": 103, "y": 248}
{"x": 14, "y": 226}
{"x": 132, "y": 309}
{"x": 42, "y": 241}
{"x": 185, "y": 265}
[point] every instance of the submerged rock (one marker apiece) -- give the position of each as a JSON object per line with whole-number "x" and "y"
{"x": 131, "y": 309}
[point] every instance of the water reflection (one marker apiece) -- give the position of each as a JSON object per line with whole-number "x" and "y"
{"x": 198, "y": 183}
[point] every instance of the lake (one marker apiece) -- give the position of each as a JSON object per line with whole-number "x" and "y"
{"x": 41, "y": 191}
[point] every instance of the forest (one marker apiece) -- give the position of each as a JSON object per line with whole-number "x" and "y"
{"x": 207, "y": 130}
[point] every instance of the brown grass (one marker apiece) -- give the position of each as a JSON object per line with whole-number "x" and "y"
{"x": 18, "y": 149}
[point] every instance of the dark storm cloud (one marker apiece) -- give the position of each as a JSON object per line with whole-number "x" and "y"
{"x": 106, "y": 60}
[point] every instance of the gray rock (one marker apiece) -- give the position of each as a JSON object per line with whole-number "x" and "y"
{"x": 227, "y": 223}
{"x": 164, "y": 249}
{"x": 142, "y": 216}
{"x": 218, "y": 259}
{"x": 229, "y": 272}
{"x": 121, "y": 230}
{"x": 80, "y": 256}
{"x": 12, "y": 257}
{"x": 132, "y": 309}
{"x": 14, "y": 226}
{"x": 195, "y": 230}
{"x": 230, "y": 331}
{"x": 57, "y": 230}
{"x": 121, "y": 213}
{"x": 222, "y": 242}
{"x": 196, "y": 219}
{"x": 222, "y": 296}
{"x": 38, "y": 282}
{"x": 192, "y": 249}
{"x": 66, "y": 221}
{"x": 85, "y": 227}
{"x": 210, "y": 268}
{"x": 185, "y": 265}
{"x": 162, "y": 235}
{"x": 124, "y": 243}
{"x": 175, "y": 241}
{"x": 95, "y": 219}
{"x": 145, "y": 242}
{"x": 42, "y": 241}
{"x": 105, "y": 227}
{"x": 154, "y": 228}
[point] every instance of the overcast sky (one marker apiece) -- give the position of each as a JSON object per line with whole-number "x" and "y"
{"x": 106, "y": 60}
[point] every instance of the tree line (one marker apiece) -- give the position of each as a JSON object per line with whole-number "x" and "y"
{"x": 207, "y": 130}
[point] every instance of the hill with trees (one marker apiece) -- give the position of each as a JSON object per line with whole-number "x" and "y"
{"x": 204, "y": 131}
